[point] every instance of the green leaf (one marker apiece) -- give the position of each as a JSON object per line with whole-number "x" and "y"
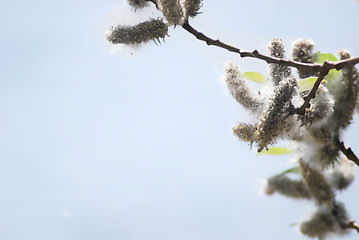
{"x": 332, "y": 75}
{"x": 291, "y": 170}
{"x": 255, "y": 77}
{"x": 306, "y": 83}
{"x": 321, "y": 57}
{"x": 276, "y": 151}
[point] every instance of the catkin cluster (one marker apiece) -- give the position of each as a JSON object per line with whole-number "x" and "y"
{"x": 273, "y": 114}
{"x": 322, "y": 171}
{"x": 175, "y": 12}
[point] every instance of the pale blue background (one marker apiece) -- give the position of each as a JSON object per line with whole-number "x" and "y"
{"x": 101, "y": 145}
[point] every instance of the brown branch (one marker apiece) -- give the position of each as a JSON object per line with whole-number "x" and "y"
{"x": 346, "y": 63}
{"x": 351, "y": 225}
{"x": 253, "y": 54}
{"x": 346, "y": 151}
{"x": 269, "y": 59}
{"x": 323, "y": 69}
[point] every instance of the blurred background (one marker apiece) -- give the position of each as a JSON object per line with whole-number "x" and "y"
{"x": 108, "y": 142}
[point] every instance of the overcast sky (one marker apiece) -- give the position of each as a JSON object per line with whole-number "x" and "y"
{"x": 102, "y": 142}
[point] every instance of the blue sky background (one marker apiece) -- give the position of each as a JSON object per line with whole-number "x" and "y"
{"x": 98, "y": 143}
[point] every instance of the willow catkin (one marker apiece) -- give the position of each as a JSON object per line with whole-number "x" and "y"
{"x": 153, "y": 29}
{"x": 278, "y": 72}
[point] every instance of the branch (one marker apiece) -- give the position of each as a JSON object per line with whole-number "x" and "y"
{"x": 352, "y": 224}
{"x": 346, "y": 151}
{"x": 346, "y": 63}
{"x": 269, "y": 59}
{"x": 254, "y": 54}
{"x": 323, "y": 69}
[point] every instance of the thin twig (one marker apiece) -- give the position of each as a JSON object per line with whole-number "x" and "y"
{"x": 253, "y": 54}
{"x": 346, "y": 63}
{"x": 323, "y": 69}
{"x": 269, "y": 59}
{"x": 352, "y": 224}
{"x": 346, "y": 151}
{"x": 311, "y": 94}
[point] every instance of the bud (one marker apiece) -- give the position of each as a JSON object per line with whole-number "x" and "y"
{"x": 154, "y": 29}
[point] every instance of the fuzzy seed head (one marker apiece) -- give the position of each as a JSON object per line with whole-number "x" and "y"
{"x": 241, "y": 91}
{"x": 345, "y": 94}
{"x": 339, "y": 213}
{"x": 321, "y": 135}
{"x": 276, "y": 48}
{"x": 154, "y": 29}
{"x": 321, "y": 106}
{"x": 327, "y": 155}
{"x": 138, "y": 3}
{"x": 244, "y": 131}
{"x": 192, "y": 7}
{"x": 172, "y": 11}
{"x": 303, "y": 52}
{"x": 343, "y": 54}
{"x": 319, "y": 225}
{"x": 278, "y": 72}
{"x": 325, "y": 221}
{"x": 290, "y": 129}
{"x": 343, "y": 175}
{"x": 319, "y": 189}
{"x": 271, "y": 121}
{"x": 286, "y": 186}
